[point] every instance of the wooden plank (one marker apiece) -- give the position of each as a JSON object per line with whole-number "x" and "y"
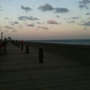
{"x": 22, "y": 71}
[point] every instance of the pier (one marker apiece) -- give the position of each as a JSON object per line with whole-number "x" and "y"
{"x": 22, "y": 71}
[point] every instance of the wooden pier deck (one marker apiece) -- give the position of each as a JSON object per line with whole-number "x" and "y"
{"x": 21, "y": 71}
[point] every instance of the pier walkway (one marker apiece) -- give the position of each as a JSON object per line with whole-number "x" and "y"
{"x": 21, "y": 71}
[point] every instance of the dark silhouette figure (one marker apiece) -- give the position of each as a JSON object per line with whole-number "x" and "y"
{"x": 5, "y": 45}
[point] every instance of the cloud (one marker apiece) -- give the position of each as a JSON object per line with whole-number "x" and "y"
{"x": 86, "y": 24}
{"x": 1, "y": 9}
{"x": 61, "y": 10}
{"x": 16, "y": 22}
{"x": 87, "y": 13}
{"x": 75, "y": 17}
{"x": 26, "y": 8}
{"x": 13, "y": 23}
{"x": 30, "y": 25}
{"x": 9, "y": 27}
{"x": 57, "y": 16}
{"x": 38, "y": 22}
{"x": 84, "y": 4}
{"x": 24, "y": 18}
{"x": 6, "y": 18}
{"x": 20, "y": 26}
{"x": 83, "y": 21}
{"x": 71, "y": 21}
{"x": 52, "y": 22}
{"x": 14, "y": 31}
{"x": 45, "y": 28}
{"x": 79, "y": 24}
{"x": 85, "y": 28}
{"x": 46, "y": 7}
{"x": 6, "y": 30}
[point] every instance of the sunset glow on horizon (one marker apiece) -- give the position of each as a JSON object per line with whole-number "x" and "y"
{"x": 45, "y": 19}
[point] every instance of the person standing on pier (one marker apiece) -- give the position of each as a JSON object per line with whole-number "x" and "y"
{"x": 1, "y": 48}
{"x": 5, "y": 45}
{"x": 22, "y": 41}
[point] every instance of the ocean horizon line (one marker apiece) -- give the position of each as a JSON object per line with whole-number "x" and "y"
{"x": 68, "y": 41}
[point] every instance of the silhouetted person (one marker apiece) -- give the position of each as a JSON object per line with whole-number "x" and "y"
{"x": 1, "y": 47}
{"x": 5, "y": 45}
{"x": 22, "y": 41}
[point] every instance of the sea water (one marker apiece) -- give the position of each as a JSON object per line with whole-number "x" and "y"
{"x": 75, "y": 42}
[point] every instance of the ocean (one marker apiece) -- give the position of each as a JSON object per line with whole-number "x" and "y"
{"x": 75, "y": 41}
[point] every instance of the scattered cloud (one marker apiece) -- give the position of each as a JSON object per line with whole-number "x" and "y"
{"x": 61, "y": 10}
{"x": 30, "y": 25}
{"x": 85, "y": 28}
{"x": 6, "y": 30}
{"x": 57, "y": 16}
{"x": 52, "y": 22}
{"x": 9, "y": 27}
{"x": 24, "y": 18}
{"x": 16, "y": 22}
{"x": 45, "y": 28}
{"x": 71, "y": 21}
{"x": 84, "y": 4}
{"x": 14, "y": 31}
{"x": 13, "y": 23}
{"x": 26, "y": 8}
{"x": 83, "y": 21}
{"x": 79, "y": 24}
{"x": 20, "y": 26}
{"x": 75, "y": 17}
{"x": 6, "y": 18}
{"x": 38, "y": 23}
{"x": 86, "y": 24}
{"x": 1, "y": 9}
{"x": 87, "y": 13}
{"x": 46, "y": 7}
{"x": 36, "y": 29}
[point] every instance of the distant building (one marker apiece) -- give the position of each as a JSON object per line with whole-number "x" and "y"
{"x": 9, "y": 39}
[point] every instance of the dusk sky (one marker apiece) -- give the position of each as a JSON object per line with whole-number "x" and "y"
{"x": 45, "y": 19}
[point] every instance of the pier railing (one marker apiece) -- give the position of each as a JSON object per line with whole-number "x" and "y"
{"x": 81, "y": 52}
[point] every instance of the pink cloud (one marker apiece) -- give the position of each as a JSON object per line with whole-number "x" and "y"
{"x": 71, "y": 21}
{"x": 43, "y": 27}
{"x": 8, "y": 27}
{"x": 52, "y": 22}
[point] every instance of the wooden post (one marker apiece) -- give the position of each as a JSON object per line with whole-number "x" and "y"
{"x": 18, "y": 44}
{"x": 27, "y": 49}
{"x": 21, "y": 46}
{"x": 40, "y": 55}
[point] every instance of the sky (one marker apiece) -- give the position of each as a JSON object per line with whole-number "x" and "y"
{"x": 45, "y": 19}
